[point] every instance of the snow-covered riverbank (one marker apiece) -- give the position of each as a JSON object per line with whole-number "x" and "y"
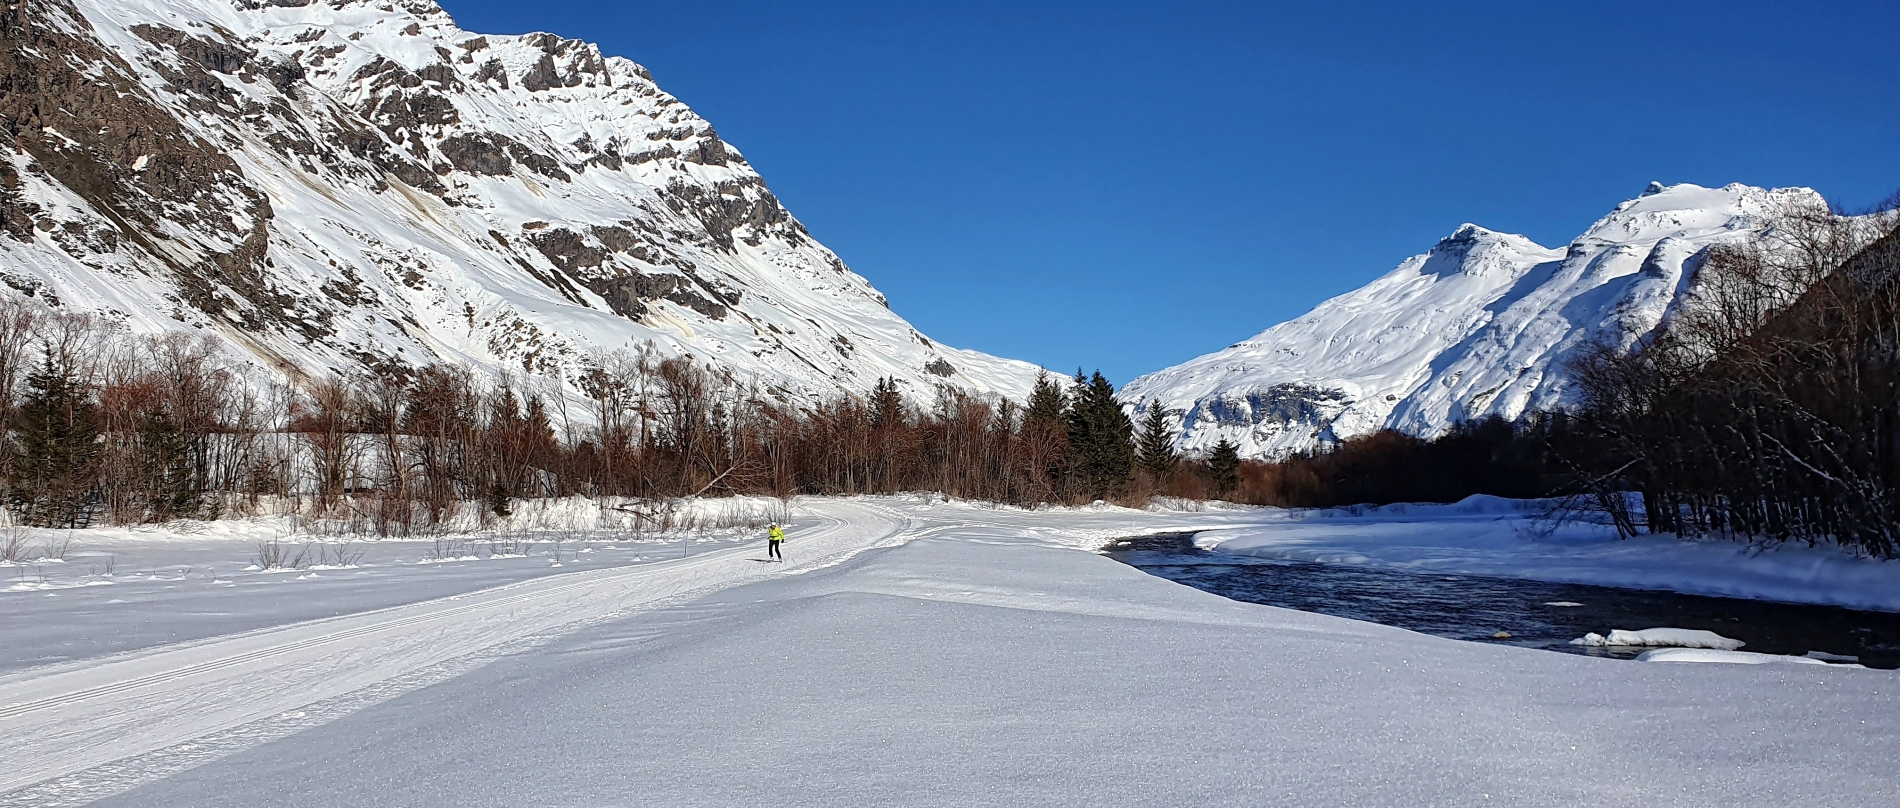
{"x": 908, "y": 653}
{"x": 1490, "y": 536}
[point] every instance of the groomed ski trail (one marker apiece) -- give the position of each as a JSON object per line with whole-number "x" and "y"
{"x": 70, "y": 718}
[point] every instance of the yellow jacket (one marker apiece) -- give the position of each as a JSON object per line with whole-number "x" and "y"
{"x": 777, "y": 534}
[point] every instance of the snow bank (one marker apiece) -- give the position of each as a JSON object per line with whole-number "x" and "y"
{"x": 1659, "y": 638}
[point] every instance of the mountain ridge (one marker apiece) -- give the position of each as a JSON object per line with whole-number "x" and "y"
{"x": 336, "y": 184}
{"x": 1482, "y": 324}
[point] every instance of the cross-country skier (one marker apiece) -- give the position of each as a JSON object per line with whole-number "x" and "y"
{"x": 773, "y": 537}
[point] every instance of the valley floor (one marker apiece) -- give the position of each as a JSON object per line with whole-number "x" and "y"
{"x": 906, "y": 653}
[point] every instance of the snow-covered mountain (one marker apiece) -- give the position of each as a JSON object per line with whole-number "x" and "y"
{"x": 334, "y": 183}
{"x": 1483, "y": 324}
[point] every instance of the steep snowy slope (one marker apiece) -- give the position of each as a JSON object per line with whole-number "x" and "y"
{"x": 334, "y": 183}
{"x": 1484, "y": 324}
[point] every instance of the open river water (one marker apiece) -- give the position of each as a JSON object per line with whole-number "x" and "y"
{"x": 1534, "y": 614}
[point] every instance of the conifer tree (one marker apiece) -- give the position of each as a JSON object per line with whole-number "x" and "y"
{"x": 506, "y": 450}
{"x": 1101, "y": 438}
{"x": 1224, "y": 465}
{"x": 1046, "y": 402}
{"x": 1045, "y": 438}
{"x": 166, "y": 462}
{"x": 887, "y": 404}
{"x": 538, "y": 434}
{"x": 1154, "y": 447}
{"x": 55, "y": 475}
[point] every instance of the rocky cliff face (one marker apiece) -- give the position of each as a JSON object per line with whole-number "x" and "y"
{"x": 1483, "y": 324}
{"x": 335, "y": 183}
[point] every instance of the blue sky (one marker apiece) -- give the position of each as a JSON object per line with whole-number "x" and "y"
{"x": 1126, "y": 185}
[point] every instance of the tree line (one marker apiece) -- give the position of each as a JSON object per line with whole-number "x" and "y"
{"x": 101, "y": 425}
{"x": 1489, "y": 456}
{"x": 1767, "y": 406}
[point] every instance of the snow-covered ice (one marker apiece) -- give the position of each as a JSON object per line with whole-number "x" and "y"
{"x": 1723, "y": 656}
{"x": 917, "y": 653}
{"x": 1659, "y": 638}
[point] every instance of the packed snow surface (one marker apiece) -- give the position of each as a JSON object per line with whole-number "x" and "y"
{"x": 910, "y": 652}
{"x": 1483, "y": 324}
{"x": 1659, "y": 638}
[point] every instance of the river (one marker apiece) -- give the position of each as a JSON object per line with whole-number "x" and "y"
{"x": 1534, "y": 614}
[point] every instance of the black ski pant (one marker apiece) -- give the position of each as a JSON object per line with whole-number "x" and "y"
{"x": 771, "y": 548}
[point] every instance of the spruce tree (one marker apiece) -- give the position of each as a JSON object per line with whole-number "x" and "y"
{"x": 166, "y": 465}
{"x": 1224, "y": 466}
{"x": 1101, "y": 438}
{"x": 537, "y": 427}
{"x": 1076, "y": 424}
{"x": 1045, "y": 438}
{"x": 1154, "y": 447}
{"x": 54, "y": 475}
{"x": 506, "y": 450}
{"x": 887, "y": 404}
{"x": 1046, "y": 403}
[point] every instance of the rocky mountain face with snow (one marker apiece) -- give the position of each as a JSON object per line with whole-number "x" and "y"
{"x": 331, "y": 184}
{"x": 1484, "y": 324}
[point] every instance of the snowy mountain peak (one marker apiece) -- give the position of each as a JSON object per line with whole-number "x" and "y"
{"x": 1485, "y": 323}
{"x": 1474, "y": 249}
{"x": 1690, "y": 211}
{"x": 349, "y": 183}
{"x": 1467, "y": 235}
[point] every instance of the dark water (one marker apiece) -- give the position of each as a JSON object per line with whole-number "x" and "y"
{"x": 1474, "y": 607}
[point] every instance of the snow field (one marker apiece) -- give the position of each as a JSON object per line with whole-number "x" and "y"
{"x": 911, "y": 651}
{"x": 67, "y": 718}
{"x": 985, "y": 661}
{"x": 124, "y": 588}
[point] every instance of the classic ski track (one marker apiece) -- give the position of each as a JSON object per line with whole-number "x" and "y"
{"x": 42, "y": 707}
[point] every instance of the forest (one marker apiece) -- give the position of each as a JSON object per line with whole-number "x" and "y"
{"x": 1764, "y": 408}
